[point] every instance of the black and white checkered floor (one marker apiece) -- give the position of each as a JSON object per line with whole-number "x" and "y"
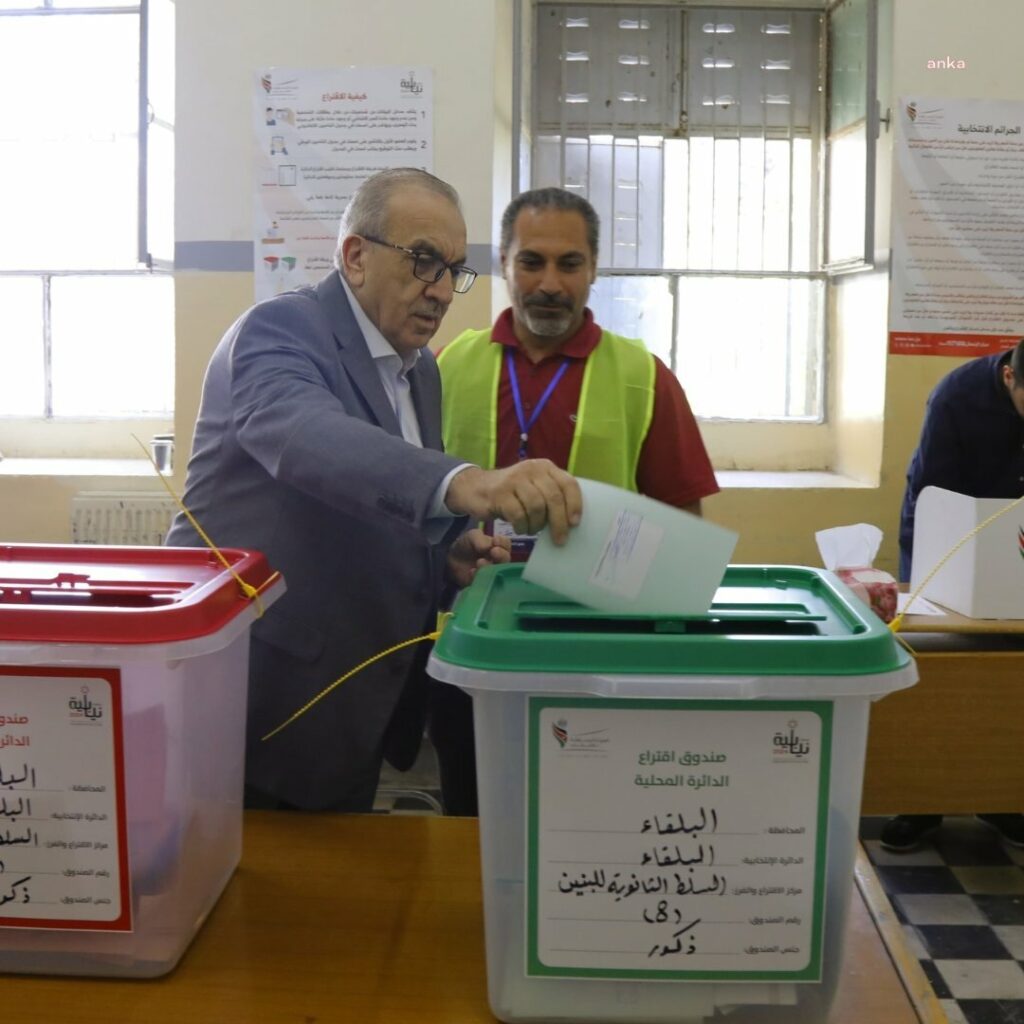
{"x": 960, "y": 902}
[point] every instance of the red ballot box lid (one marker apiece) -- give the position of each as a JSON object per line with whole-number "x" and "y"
{"x": 121, "y": 595}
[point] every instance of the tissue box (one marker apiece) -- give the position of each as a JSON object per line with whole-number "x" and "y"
{"x": 877, "y": 589}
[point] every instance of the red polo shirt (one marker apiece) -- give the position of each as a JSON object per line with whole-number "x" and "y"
{"x": 673, "y": 467}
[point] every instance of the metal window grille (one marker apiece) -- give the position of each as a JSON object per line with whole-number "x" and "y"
{"x": 695, "y": 134}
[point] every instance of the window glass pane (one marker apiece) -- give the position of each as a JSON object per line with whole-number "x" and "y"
{"x": 21, "y": 346}
{"x": 160, "y": 77}
{"x": 804, "y": 255}
{"x": 160, "y": 184}
{"x": 847, "y": 178}
{"x": 638, "y": 307}
{"x": 622, "y": 180}
{"x": 27, "y": 5}
{"x": 740, "y": 210}
{"x": 777, "y": 193}
{"x": 68, "y": 145}
{"x": 677, "y": 202}
{"x": 729, "y": 187}
{"x": 113, "y": 345}
{"x": 95, "y": 3}
{"x": 848, "y": 67}
{"x": 748, "y": 347}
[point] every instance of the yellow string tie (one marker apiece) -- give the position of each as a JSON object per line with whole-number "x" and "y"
{"x": 442, "y": 620}
{"x": 898, "y": 620}
{"x": 251, "y": 592}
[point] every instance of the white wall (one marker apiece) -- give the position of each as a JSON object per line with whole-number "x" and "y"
{"x": 221, "y": 43}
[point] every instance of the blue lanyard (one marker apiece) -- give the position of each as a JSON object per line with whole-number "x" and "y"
{"x": 525, "y": 425}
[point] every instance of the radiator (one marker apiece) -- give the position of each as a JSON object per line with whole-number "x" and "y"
{"x": 113, "y": 517}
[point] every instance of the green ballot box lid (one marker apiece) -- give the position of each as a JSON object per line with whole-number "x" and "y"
{"x": 764, "y": 621}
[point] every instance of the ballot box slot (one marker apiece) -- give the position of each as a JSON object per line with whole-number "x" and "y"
{"x": 78, "y": 590}
{"x": 81, "y": 599}
{"x": 733, "y": 626}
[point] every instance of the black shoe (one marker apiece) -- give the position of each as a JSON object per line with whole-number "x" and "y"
{"x": 905, "y": 832}
{"x": 1009, "y": 826}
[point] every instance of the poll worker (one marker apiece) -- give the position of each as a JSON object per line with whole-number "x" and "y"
{"x": 319, "y": 443}
{"x": 547, "y": 381}
{"x": 972, "y": 442}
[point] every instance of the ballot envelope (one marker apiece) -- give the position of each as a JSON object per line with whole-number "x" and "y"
{"x": 984, "y": 579}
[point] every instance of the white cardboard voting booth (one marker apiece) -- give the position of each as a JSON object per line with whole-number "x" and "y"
{"x": 985, "y": 578}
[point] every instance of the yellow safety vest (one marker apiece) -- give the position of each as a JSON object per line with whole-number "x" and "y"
{"x": 612, "y": 420}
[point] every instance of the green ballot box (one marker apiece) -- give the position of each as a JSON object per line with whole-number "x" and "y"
{"x": 668, "y": 807}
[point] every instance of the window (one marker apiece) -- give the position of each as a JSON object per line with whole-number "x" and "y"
{"x": 852, "y": 130}
{"x": 696, "y": 134}
{"x": 88, "y": 327}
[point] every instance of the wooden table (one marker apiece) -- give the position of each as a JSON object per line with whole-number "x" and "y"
{"x": 951, "y": 744}
{"x": 366, "y": 919}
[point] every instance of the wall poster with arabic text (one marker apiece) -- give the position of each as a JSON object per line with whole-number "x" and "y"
{"x": 957, "y": 234}
{"x": 317, "y": 135}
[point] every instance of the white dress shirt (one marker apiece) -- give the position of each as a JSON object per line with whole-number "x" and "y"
{"x": 393, "y": 370}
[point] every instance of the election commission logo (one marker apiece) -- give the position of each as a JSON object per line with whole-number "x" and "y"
{"x": 592, "y": 743}
{"x": 788, "y": 745}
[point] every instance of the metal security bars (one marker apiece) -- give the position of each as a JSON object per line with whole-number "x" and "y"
{"x": 696, "y": 135}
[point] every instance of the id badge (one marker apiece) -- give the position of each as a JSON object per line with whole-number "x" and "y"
{"x": 522, "y": 543}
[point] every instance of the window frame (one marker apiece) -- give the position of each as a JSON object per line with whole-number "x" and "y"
{"x": 865, "y": 259}
{"x": 732, "y": 443}
{"x": 98, "y": 435}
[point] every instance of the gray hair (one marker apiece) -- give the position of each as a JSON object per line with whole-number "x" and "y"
{"x": 367, "y": 210}
{"x": 550, "y": 199}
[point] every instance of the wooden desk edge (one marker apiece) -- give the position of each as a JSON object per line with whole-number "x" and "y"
{"x": 915, "y": 983}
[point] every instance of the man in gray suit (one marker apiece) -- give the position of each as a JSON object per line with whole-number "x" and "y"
{"x": 319, "y": 443}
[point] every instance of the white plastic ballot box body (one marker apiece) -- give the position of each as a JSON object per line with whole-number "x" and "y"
{"x": 985, "y": 578}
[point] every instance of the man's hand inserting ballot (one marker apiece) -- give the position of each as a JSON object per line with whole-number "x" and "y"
{"x": 529, "y": 495}
{"x": 472, "y": 551}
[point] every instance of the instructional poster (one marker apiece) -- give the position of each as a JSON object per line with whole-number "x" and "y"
{"x": 677, "y": 839}
{"x": 958, "y": 237}
{"x": 317, "y": 136}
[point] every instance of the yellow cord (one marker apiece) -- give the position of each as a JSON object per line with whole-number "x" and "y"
{"x": 443, "y": 617}
{"x": 251, "y": 592}
{"x": 903, "y": 643}
{"x": 442, "y": 620}
{"x": 898, "y": 620}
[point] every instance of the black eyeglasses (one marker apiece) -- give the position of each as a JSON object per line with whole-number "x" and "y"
{"x": 430, "y": 268}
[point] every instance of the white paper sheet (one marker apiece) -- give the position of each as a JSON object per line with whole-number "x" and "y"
{"x": 919, "y": 607}
{"x": 634, "y": 555}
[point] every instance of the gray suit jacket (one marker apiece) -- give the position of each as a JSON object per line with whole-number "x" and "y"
{"x": 298, "y": 454}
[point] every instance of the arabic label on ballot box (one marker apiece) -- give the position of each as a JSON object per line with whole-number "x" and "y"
{"x": 63, "y": 851}
{"x": 677, "y": 839}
